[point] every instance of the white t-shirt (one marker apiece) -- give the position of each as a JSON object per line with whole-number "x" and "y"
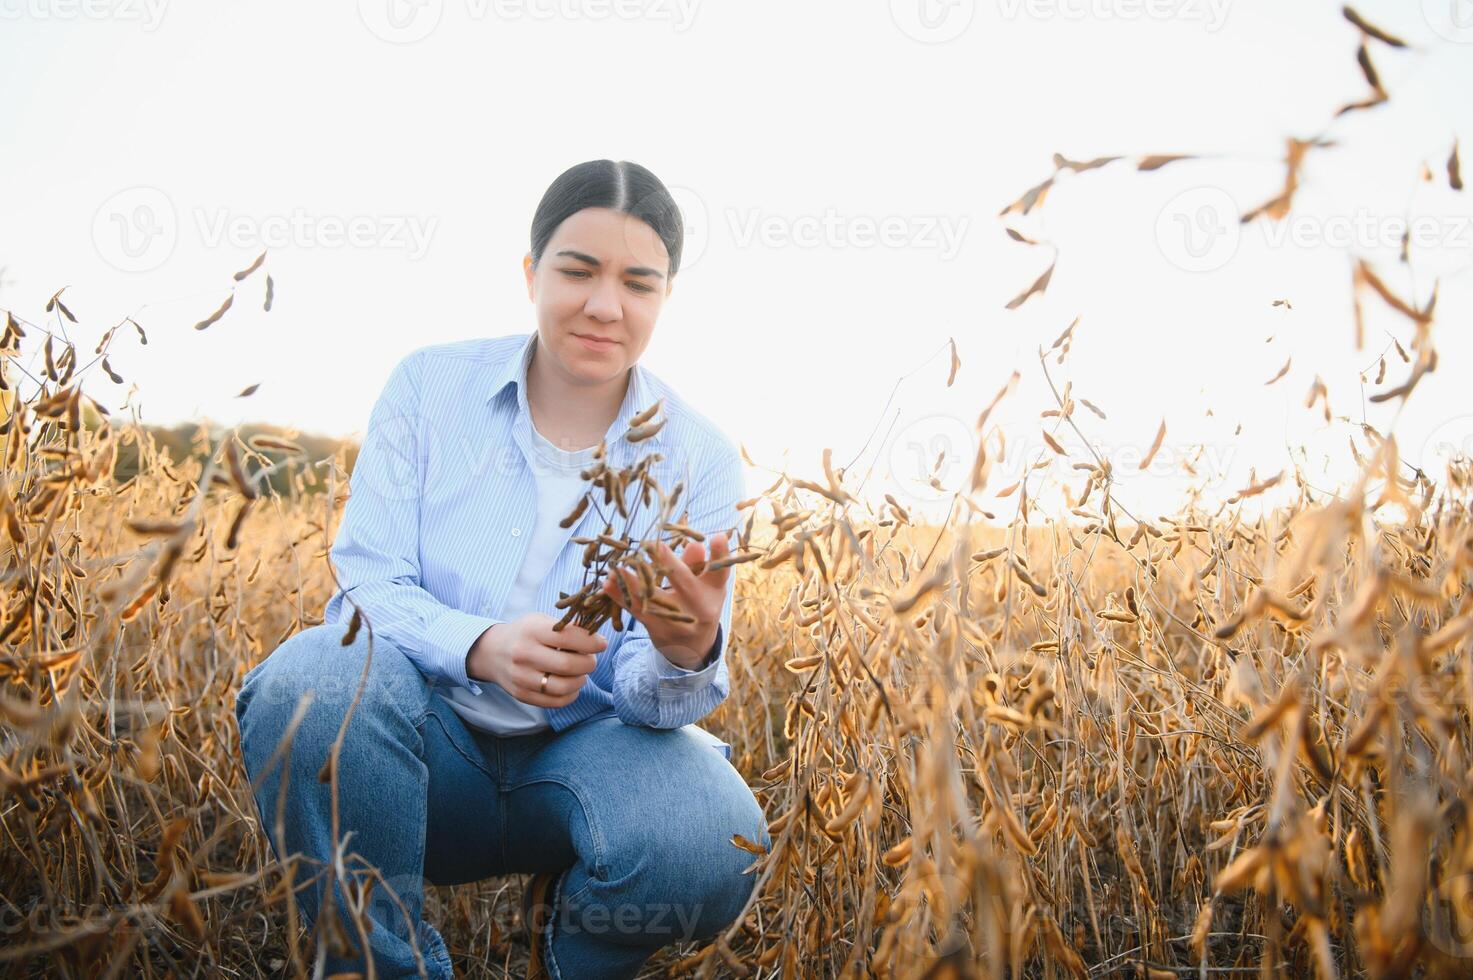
{"x": 559, "y": 486}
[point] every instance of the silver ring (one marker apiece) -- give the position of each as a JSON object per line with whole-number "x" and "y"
{"x": 544, "y": 682}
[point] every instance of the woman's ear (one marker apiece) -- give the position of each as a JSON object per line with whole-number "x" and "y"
{"x": 531, "y": 273}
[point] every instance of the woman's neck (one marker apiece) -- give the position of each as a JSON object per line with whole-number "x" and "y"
{"x": 569, "y": 415}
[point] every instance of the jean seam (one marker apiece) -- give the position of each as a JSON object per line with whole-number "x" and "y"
{"x": 424, "y": 819}
{"x": 547, "y": 955}
{"x": 500, "y": 802}
{"x": 417, "y": 723}
{"x": 447, "y": 971}
{"x": 557, "y": 900}
{"x": 595, "y": 832}
{"x": 501, "y": 833}
{"x": 478, "y": 763}
{"x": 578, "y": 895}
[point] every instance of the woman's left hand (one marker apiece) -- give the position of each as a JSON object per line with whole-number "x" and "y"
{"x": 699, "y": 593}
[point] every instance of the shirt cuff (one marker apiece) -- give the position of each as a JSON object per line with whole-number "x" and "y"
{"x": 448, "y": 643}
{"x": 674, "y": 676}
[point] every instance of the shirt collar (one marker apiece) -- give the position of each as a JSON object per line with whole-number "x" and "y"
{"x": 638, "y": 397}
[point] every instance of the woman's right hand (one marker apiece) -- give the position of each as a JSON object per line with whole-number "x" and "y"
{"x": 515, "y": 654}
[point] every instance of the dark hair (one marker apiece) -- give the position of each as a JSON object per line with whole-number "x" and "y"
{"x": 621, "y": 185}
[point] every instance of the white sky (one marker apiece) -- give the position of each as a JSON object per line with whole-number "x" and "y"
{"x": 128, "y": 115}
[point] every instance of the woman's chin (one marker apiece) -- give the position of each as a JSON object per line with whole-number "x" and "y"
{"x": 595, "y": 370}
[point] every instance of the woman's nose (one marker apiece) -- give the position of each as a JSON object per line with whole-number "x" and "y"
{"x": 603, "y": 303}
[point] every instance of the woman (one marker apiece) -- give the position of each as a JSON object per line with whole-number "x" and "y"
{"x": 486, "y": 743}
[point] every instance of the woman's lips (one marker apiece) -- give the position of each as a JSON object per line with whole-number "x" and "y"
{"x": 594, "y": 344}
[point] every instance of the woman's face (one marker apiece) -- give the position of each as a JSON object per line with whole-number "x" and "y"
{"x": 603, "y": 276}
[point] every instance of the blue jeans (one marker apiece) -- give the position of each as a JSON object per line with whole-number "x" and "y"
{"x": 637, "y": 820}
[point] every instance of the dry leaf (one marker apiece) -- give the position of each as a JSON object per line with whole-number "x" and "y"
{"x": 1371, "y": 29}
{"x": 1160, "y": 160}
{"x": 55, "y": 303}
{"x": 251, "y": 268}
{"x": 1155, "y": 445}
{"x": 1030, "y": 199}
{"x": 1039, "y": 285}
{"x": 214, "y": 317}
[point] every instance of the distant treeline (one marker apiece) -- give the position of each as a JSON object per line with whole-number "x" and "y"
{"x": 195, "y": 440}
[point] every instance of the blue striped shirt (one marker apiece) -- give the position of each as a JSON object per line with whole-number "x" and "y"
{"x": 441, "y": 505}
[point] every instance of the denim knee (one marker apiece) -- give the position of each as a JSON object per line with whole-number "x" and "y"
{"x": 722, "y": 892}
{"x": 689, "y": 867}
{"x": 314, "y": 663}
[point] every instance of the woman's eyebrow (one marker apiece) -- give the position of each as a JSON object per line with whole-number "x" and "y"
{"x": 633, "y": 270}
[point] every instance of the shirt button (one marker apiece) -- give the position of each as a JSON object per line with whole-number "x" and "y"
{"x": 516, "y": 532}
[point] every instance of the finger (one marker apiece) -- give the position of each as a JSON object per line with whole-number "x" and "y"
{"x": 558, "y": 686}
{"x": 561, "y": 663}
{"x": 560, "y": 690}
{"x": 627, "y": 597}
{"x": 694, "y": 557}
{"x": 720, "y": 548}
{"x": 573, "y": 638}
{"x": 692, "y": 593}
{"x": 682, "y": 580}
